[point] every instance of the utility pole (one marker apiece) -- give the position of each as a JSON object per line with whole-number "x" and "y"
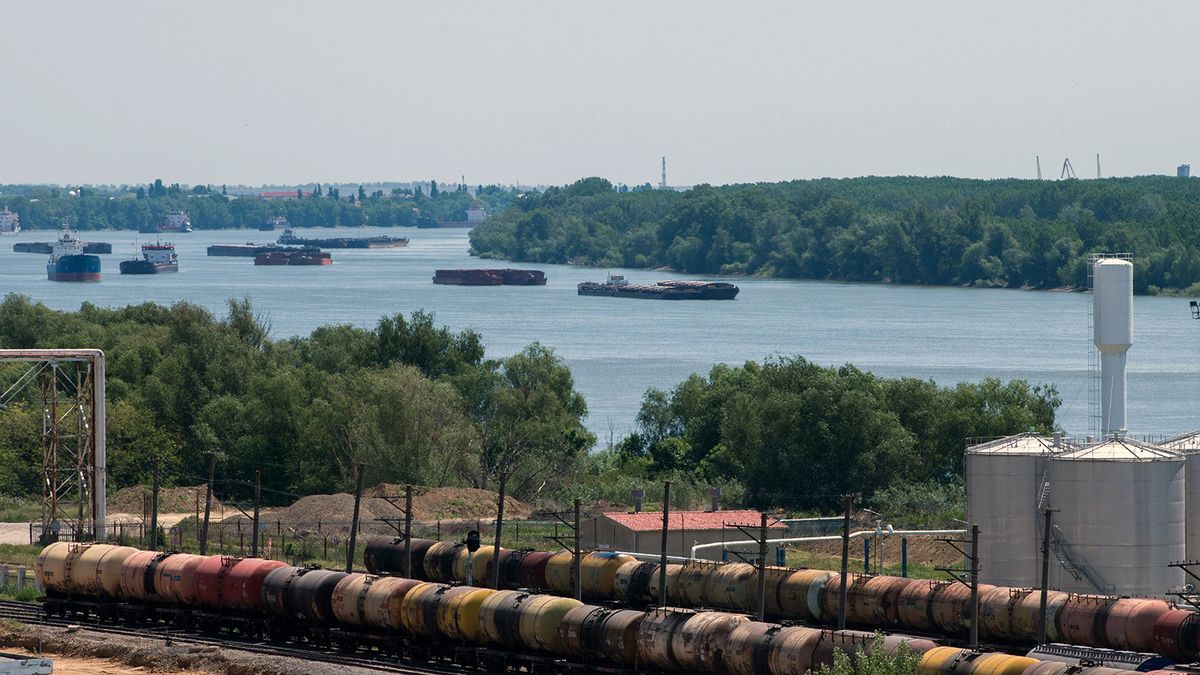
{"x": 408, "y": 531}
{"x": 257, "y": 507}
{"x": 974, "y": 586}
{"x": 1045, "y": 578}
{"x": 762, "y": 569}
{"x": 578, "y": 559}
{"x": 662, "y": 565}
{"x": 358, "y": 488}
{"x": 212, "y": 467}
{"x": 154, "y": 509}
{"x": 499, "y": 529}
{"x": 841, "y": 618}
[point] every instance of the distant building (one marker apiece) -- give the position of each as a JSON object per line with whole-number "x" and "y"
{"x": 1184, "y": 170}
{"x": 476, "y": 214}
{"x": 281, "y": 195}
{"x": 642, "y": 533}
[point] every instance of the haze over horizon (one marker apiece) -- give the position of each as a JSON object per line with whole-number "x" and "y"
{"x": 545, "y": 93}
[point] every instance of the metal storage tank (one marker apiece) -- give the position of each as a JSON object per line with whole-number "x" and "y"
{"x": 1004, "y": 481}
{"x": 1189, "y": 446}
{"x": 1120, "y": 518}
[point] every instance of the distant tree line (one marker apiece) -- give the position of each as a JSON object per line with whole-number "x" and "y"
{"x": 42, "y": 207}
{"x": 414, "y": 402}
{"x": 1001, "y": 233}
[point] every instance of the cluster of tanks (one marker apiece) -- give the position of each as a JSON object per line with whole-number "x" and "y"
{"x": 399, "y": 615}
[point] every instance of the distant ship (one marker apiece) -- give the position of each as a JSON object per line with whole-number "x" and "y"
{"x": 289, "y": 238}
{"x": 294, "y": 257}
{"x": 274, "y": 223}
{"x": 490, "y": 277}
{"x": 617, "y": 286}
{"x": 68, "y": 262}
{"x": 10, "y": 223}
{"x": 177, "y": 221}
{"x": 156, "y": 258}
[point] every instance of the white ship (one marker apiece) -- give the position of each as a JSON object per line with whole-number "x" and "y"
{"x": 10, "y": 223}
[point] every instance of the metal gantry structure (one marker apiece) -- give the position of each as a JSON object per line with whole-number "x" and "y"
{"x": 70, "y": 386}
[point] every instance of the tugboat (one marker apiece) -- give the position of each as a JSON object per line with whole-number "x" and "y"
{"x": 68, "y": 262}
{"x": 156, "y": 258}
{"x": 10, "y": 223}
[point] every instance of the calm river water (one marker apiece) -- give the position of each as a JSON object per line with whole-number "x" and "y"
{"x": 617, "y": 348}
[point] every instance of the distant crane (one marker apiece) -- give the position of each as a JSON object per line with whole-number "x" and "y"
{"x": 1068, "y": 171}
{"x": 1039, "y": 165}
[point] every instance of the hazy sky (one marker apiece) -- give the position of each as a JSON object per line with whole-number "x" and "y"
{"x": 547, "y": 92}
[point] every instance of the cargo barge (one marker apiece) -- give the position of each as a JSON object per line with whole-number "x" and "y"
{"x": 289, "y": 238}
{"x": 295, "y": 257}
{"x": 617, "y": 286}
{"x": 156, "y": 259}
{"x": 490, "y": 277}
{"x": 68, "y": 262}
{"x": 44, "y": 247}
{"x": 248, "y": 249}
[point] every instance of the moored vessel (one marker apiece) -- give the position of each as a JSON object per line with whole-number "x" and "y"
{"x": 10, "y": 223}
{"x": 246, "y": 250}
{"x": 175, "y": 221}
{"x": 289, "y": 238}
{"x": 617, "y": 286}
{"x": 294, "y": 257}
{"x": 156, "y": 258}
{"x": 490, "y": 277}
{"x": 274, "y": 223}
{"x": 68, "y": 262}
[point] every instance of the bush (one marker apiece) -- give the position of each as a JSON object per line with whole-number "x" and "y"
{"x": 874, "y": 662}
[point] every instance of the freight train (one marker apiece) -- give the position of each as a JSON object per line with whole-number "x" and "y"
{"x": 1006, "y": 615}
{"x": 492, "y": 630}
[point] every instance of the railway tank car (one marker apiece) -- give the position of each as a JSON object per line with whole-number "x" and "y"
{"x": 1010, "y": 615}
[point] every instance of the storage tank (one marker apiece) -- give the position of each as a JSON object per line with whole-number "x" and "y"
{"x": 1189, "y": 446}
{"x": 1120, "y": 515}
{"x": 1112, "y": 326}
{"x": 1004, "y": 481}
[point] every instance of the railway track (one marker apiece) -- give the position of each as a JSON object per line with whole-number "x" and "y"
{"x": 31, "y": 613}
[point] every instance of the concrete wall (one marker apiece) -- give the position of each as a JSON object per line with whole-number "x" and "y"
{"x": 604, "y": 533}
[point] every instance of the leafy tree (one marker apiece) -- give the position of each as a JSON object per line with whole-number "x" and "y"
{"x": 874, "y": 661}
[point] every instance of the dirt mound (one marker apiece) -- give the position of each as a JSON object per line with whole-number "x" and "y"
{"x": 170, "y": 500}
{"x": 449, "y": 503}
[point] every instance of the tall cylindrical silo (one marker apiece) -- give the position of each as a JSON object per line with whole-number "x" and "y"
{"x": 1189, "y": 446}
{"x": 1120, "y": 511}
{"x": 1112, "y": 326}
{"x": 1004, "y": 481}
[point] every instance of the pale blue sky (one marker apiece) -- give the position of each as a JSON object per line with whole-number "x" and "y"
{"x": 546, "y": 92}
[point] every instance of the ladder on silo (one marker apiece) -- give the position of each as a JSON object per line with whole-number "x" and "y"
{"x": 1074, "y": 564}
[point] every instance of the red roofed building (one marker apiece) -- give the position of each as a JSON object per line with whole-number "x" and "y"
{"x": 642, "y": 532}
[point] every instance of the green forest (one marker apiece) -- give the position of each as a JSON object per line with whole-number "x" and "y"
{"x": 417, "y": 403}
{"x": 45, "y": 207}
{"x": 949, "y": 231}
{"x": 411, "y": 401}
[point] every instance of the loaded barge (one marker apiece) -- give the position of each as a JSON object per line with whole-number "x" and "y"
{"x": 289, "y": 238}
{"x": 90, "y": 247}
{"x": 617, "y": 286}
{"x": 487, "y": 277}
{"x": 306, "y": 256}
{"x": 248, "y": 249}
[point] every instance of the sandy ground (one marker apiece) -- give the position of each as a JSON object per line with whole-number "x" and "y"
{"x": 77, "y": 665}
{"x": 18, "y": 533}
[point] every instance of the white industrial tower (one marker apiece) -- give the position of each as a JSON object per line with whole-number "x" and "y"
{"x": 1112, "y": 333}
{"x": 663, "y": 184}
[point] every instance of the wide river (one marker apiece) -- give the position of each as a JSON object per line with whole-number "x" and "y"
{"x": 618, "y": 348}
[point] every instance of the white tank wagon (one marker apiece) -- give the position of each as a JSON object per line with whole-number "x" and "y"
{"x": 1189, "y": 446}
{"x": 1112, "y": 304}
{"x": 1119, "y": 520}
{"x": 1004, "y": 481}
